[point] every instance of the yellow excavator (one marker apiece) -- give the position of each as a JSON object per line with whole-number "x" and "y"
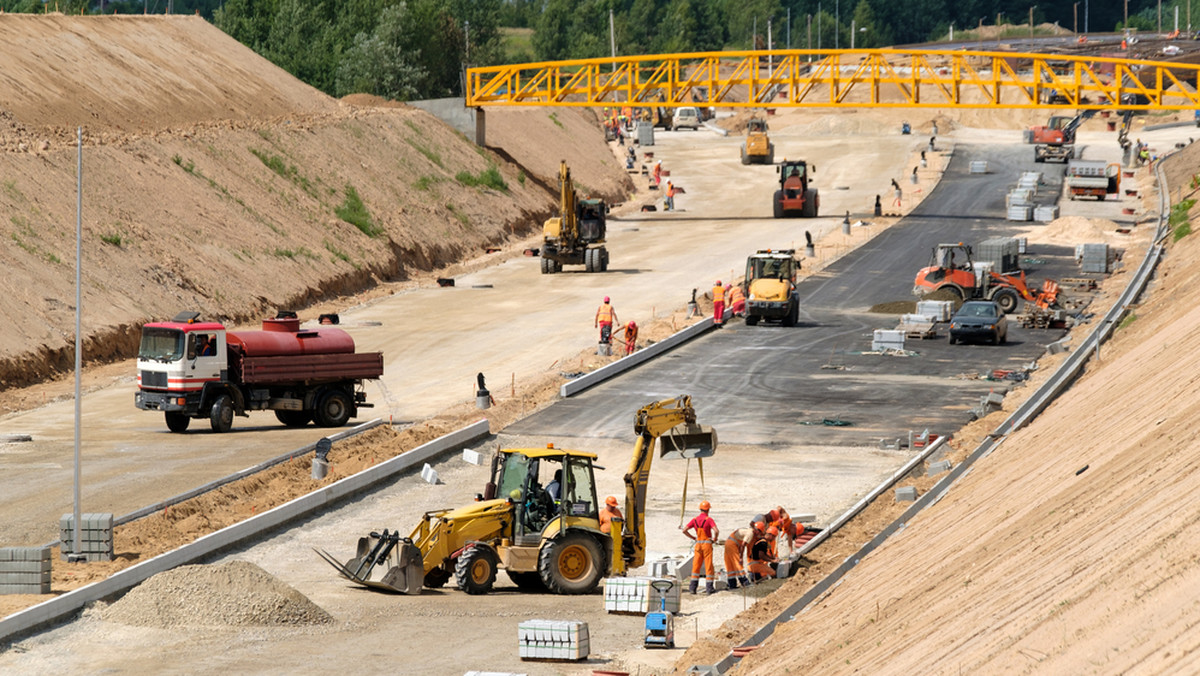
{"x": 541, "y": 540}
{"x": 576, "y": 235}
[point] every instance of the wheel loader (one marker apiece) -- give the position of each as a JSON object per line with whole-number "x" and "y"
{"x": 771, "y": 287}
{"x": 516, "y": 524}
{"x": 576, "y": 236}
{"x": 757, "y": 148}
{"x": 953, "y": 269}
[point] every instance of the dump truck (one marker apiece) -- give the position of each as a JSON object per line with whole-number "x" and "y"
{"x": 757, "y": 148}
{"x": 1056, "y": 139}
{"x": 952, "y": 269}
{"x": 516, "y": 525}
{"x": 576, "y": 235}
{"x": 193, "y": 369}
{"x": 795, "y": 197}
{"x": 771, "y": 287}
{"x": 1092, "y": 178}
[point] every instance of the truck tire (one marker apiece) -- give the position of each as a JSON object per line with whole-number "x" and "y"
{"x": 177, "y": 422}
{"x": 793, "y": 315}
{"x": 812, "y": 201}
{"x": 770, "y": 154}
{"x": 751, "y": 320}
{"x": 745, "y": 157}
{"x": 221, "y": 414}
{"x": 572, "y": 563}
{"x": 547, "y": 266}
{"x": 475, "y": 571}
{"x": 1007, "y": 299}
{"x": 294, "y": 418}
{"x": 603, "y": 259}
{"x": 333, "y": 409}
{"x": 777, "y": 204}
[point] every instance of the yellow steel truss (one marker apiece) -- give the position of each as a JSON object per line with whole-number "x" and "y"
{"x": 832, "y": 78}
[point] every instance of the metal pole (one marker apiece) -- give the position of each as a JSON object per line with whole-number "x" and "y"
{"x": 77, "y": 549}
{"x": 754, "y": 37}
{"x": 1031, "y": 21}
{"x": 808, "y": 44}
{"x": 612, "y": 39}
{"x": 789, "y": 23}
{"x": 818, "y": 25}
{"x": 1086, "y": 4}
{"x": 770, "y": 57}
{"x": 852, "y": 27}
{"x": 837, "y": 23}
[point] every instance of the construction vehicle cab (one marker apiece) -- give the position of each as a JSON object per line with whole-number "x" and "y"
{"x": 757, "y": 148}
{"x": 1056, "y": 139}
{"x": 952, "y": 269}
{"x": 576, "y": 236}
{"x": 771, "y": 287}
{"x": 543, "y": 540}
{"x": 795, "y": 197}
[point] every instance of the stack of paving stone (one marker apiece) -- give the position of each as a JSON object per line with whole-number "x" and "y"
{"x": 95, "y": 538}
{"x": 25, "y": 570}
{"x": 553, "y": 640}
{"x": 636, "y": 595}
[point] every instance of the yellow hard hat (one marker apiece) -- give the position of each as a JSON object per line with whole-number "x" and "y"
{"x": 515, "y": 494}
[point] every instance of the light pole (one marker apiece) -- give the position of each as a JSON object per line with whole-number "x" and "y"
{"x": 837, "y": 22}
{"x": 1075, "y": 12}
{"x": 1031, "y": 21}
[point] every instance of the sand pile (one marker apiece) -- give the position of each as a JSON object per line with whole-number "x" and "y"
{"x": 237, "y": 593}
{"x": 1073, "y": 229}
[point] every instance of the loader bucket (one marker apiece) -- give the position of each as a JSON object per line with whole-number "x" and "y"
{"x": 688, "y": 440}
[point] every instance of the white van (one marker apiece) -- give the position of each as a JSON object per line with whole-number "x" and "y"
{"x": 687, "y": 117}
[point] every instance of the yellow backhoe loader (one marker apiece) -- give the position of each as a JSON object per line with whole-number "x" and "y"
{"x": 517, "y": 525}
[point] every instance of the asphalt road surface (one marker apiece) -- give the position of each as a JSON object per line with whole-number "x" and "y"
{"x": 777, "y": 386}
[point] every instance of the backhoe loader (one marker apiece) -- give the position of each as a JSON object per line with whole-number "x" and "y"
{"x": 576, "y": 236}
{"x": 542, "y": 543}
{"x": 771, "y": 287}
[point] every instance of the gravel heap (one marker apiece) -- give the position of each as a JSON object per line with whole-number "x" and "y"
{"x": 237, "y": 593}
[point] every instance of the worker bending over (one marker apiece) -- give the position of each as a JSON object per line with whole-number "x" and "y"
{"x": 736, "y": 545}
{"x": 702, "y": 559}
{"x": 782, "y": 521}
{"x": 762, "y": 561}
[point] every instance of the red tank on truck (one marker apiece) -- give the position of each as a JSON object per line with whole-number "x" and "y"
{"x": 192, "y": 369}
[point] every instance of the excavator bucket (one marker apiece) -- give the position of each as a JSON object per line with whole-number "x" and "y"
{"x": 688, "y": 440}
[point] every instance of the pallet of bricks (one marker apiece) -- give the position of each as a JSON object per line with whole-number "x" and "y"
{"x": 635, "y": 595}
{"x": 25, "y": 570}
{"x": 553, "y": 640}
{"x": 95, "y": 538}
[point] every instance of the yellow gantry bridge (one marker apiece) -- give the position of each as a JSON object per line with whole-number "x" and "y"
{"x": 884, "y": 78}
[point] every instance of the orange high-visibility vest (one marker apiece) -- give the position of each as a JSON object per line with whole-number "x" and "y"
{"x": 718, "y": 294}
{"x": 604, "y": 314}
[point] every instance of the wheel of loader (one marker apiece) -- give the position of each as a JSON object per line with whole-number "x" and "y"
{"x": 792, "y": 316}
{"x": 177, "y": 422}
{"x": 547, "y": 266}
{"x": 294, "y": 418}
{"x": 745, "y": 157}
{"x": 437, "y": 578}
{"x": 770, "y": 154}
{"x": 529, "y": 581}
{"x": 751, "y": 320}
{"x": 1007, "y": 299}
{"x": 475, "y": 571}
{"x": 334, "y": 409}
{"x": 778, "y": 204}
{"x": 221, "y": 414}
{"x": 572, "y": 563}
{"x": 812, "y": 200}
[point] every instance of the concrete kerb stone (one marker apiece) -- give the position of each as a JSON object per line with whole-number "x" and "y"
{"x": 61, "y": 607}
{"x": 629, "y": 361}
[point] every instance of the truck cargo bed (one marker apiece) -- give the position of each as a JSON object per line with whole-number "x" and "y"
{"x": 310, "y": 368}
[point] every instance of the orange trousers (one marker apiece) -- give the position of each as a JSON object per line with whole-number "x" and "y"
{"x": 703, "y": 561}
{"x": 733, "y": 559}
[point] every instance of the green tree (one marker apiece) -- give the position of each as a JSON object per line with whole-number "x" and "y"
{"x": 301, "y": 41}
{"x": 870, "y": 32}
{"x": 382, "y": 62}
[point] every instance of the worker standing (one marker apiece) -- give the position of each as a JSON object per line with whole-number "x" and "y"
{"x": 737, "y": 300}
{"x": 702, "y": 557}
{"x": 657, "y": 175}
{"x": 718, "y": 294}
{"x": 736, "y": 545}
{"x": 606, "y": 316}
{"x": 609, "y": 513}
{"x": 669, "y": 201}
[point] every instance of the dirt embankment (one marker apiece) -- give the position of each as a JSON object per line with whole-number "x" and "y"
{"x": 227, "y": 187}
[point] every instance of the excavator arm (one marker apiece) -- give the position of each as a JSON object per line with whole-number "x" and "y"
{"x": 674, "y": 421}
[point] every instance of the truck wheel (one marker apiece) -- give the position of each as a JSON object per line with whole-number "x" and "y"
{"x": 333, "y": 410}
{"x": 437, "y": 578}
{"x": 793, "y": 315}
{"x": 770, "y": 154}
{"x": 547, "y": 266}
{"x": 811, "y": 201}
{"x": 745, "y": 157}
{"x": 778, "y": 204}
{"x": 1007, "y": 299}
{"x": 751, "y": 320}
{"x": 571, "y": 564}
{"x": 221, "y": 415}
{"x": 603, "y": 259}
{"x": 294, "y": 418}
{"x": 475, "y": 571}
{"x": 530, "y": 581}
{"x": 177, "y": 422}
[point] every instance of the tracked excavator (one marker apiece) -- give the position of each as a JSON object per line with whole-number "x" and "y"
{"x": 516, "y": 525}
{"x": 576, "y": 236}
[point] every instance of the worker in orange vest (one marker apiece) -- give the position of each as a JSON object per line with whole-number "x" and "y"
{"x": 705, "y": 531}
{"x": 606, "y": 316}
{"x": 657, "y": 174}
{"x": 762, "y": 561}
{"x": 737, "y": 300}
{"x": 631, "y": 332}
{"x": 738, "y": 542}
{"x": 782, "y": 521}
{"x": 718, "y": 293}
{"x": 669, "y": 202}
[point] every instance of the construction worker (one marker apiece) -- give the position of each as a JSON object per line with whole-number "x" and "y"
{"x": 718, "y": 293}
{"x": 657, "y": 174}
{"x": 609, "y": 513}
{"x": 631, "y": 332}
{"x": 669, "y": 200}
{"x": 736, "y": 545}
{"x": 606, "y": 316}
{"x": 737, "y": 299}
{"x": 782, "y": 521}
{"x": 761, "y": 560}
{"x": 702, "y": 557}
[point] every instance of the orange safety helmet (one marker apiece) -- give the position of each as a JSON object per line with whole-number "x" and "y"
{"x": 610, "y": 500}
{"x": 772, "y": 531}
{"x": 759, "y": 526}
{"x": 704, "y": 506}
{"x": 718, "y": 283}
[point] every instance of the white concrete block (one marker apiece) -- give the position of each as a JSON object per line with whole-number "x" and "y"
{"x": 473, "y": 457}
{"x": 429, "y": 474}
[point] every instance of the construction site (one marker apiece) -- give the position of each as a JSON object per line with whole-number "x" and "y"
{"x": 353, "y": 382}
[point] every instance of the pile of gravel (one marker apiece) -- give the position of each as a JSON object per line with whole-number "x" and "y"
{"x": 237, "y": 593}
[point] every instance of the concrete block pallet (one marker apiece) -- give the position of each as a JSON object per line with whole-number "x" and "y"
{"x": 635, "y": 595}
{"x": 25, "y": 570}
{"x": 553, "y": 640}
{"x": 95, "y": 536}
